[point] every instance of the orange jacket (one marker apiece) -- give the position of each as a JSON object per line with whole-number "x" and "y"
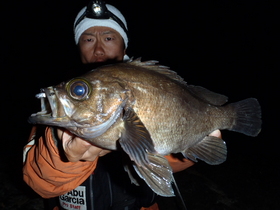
{"x": 49, "y": 176}
{"x": 46, "y": 173}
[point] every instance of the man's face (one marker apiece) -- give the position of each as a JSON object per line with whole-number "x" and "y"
{"x": 100, "y": 44}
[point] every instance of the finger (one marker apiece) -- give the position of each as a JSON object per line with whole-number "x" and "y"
{"x": 74, "y": 147}
{"x": 77, "y": 149}
{"x": 216, "y": 133}
{"x": 104, "y": 152}
{"x": 92, "y": 153}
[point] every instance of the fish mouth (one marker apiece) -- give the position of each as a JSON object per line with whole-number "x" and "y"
{"x": 49, "y": 107}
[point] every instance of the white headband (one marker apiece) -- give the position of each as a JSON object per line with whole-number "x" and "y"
{"x": 87, "y": 23}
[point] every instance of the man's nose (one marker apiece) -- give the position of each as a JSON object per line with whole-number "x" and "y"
{"x": 99, "y": 50}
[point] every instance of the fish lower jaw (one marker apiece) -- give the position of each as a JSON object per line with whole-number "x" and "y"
{"x": 47, "y": 119}
{"x": 46, "y": 116}
{"x": 45, "y": 113}
{"x": 41, "y": 113}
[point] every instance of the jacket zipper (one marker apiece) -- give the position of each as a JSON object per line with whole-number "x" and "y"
{"x": 91, "y": 198}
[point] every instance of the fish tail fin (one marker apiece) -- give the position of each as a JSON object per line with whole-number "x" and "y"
{"x": 248, "y": 117}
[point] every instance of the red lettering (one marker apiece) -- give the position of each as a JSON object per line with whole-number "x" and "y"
{"x": 64, "y": 204}
{"x": 74, "y": 206}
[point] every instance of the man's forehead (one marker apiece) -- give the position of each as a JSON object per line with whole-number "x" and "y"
{"x": 100, "y": 30}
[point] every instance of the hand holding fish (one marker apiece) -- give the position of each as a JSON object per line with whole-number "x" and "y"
{"x": 77, "y": 149}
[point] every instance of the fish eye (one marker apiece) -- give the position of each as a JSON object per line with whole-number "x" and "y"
{"x": 78, "y": 89}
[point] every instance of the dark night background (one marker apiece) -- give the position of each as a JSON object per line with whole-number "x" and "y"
{"x": 229, "y": 47}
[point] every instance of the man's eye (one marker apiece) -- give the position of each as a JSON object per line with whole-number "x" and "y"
{"x": 89, "y": 40}
{"x": 109, "y": 38}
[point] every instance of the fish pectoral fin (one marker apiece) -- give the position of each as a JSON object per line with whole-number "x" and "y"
{"x": 130, "y": 175}
{"x": 136, "y": 140}
{"x": 211, "y": 150}
{"x": 157, "y": 174}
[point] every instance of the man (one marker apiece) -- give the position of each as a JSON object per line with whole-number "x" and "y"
{"x": 59, "y": 164}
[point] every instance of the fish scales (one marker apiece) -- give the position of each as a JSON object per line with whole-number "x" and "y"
{"x": 150, "y": 112}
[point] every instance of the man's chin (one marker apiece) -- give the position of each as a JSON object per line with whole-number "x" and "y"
{"x": 96, "y": 64}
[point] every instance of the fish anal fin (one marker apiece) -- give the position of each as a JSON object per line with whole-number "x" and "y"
{"x": 207, "y": 95}
{"x": 135, "y": 139}
{"x": 157, "y": 174}
{"x": 211, "y": 150}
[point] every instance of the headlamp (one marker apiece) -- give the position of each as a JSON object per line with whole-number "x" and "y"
{"x": 97, "y": 10}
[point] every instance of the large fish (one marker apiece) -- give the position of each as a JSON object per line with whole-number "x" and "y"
{"x": 150, "y": 112}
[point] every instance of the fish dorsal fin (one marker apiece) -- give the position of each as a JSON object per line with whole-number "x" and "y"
{"x": 152, "y": 65}
{"x": 136, "y": 140}
{"x": 211, "y": 150}
{"x": 207, "y": 95}
{"x": 200, "y": 92}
